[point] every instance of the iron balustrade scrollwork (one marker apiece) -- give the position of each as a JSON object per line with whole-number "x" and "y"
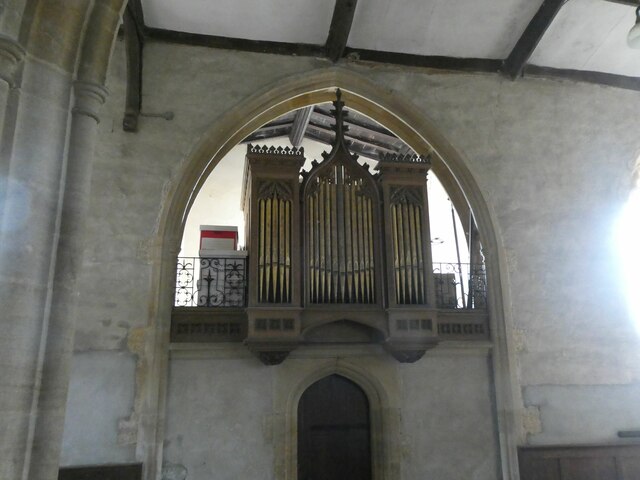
{"x": 211, "y": 282}
{"x": 460, "y": 286}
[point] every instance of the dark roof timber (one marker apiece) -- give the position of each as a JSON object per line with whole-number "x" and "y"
{"x": 134, "y": 31}
{"x": 585, "y": 76}
{"x": 242, "y": 44}
{"x": 530, "y": 38}
{"x": 631, "y": 3}
{"x": 340, "y": 27}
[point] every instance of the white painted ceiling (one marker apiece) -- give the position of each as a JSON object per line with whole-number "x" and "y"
{"x": 590, "y": 35}
{"x": 295, "y": 21}
{"x": 585, "y": 35}
{"x": 455, "y": 28}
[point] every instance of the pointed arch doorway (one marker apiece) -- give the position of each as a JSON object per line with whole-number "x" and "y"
{"x": 334, "y": 431}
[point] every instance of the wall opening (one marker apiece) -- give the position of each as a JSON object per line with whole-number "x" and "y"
{"x": 334, "y": 432}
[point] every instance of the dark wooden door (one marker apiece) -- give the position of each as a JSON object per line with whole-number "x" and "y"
{"x": 334, "y": 441}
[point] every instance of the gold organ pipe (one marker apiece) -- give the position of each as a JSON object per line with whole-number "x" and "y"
{"x": 407, "y": 225}
{"x": 316, "y": 230}
{"x": 321, "y": 208}
{"x": 320, "y": 243}
{"x": 365, "y": 252}
{"x": 372, "y": 263}
{"x": 418, "y": 253}
{"x": 402, "y": 255}
{"x": 354, "y": 227}
{"x": 408, "y": 253}
{"x": 421, "y": 264}
{"x": 311, "y": 245}
{"x": 414, "y": 255}
{"x": 274, "y": 249}
{"x": 335, "y": 257}
{"x": 282, "y": 250}
{"x": 414, "y": 250}
{"x": 396, "y": 262}
{"x": 348, "y": 232}
{"x": 327, "y": 232}
{"x": 403, "y": 244}
{"x": 361, "y": 242}
{"x": 267, "y": 250}
{"x": 412, "y": 259}
{"x": 327, "y": 241}
{"x": 341, "y": 245}
{"x": 287, "y": 240}
{"x": 365, "y": 297}
{"x": 260, "y": 250}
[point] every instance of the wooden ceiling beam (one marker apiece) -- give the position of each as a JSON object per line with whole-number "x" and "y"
{"x": 352, "y": 136}
{"x": 133, "y": 25}
{"x": 271, "y": 130}
{"x": 341, "y": 22}
{"x": 530, "y": 38}
{"x": 300, "y": 122}
{"x": 597, "y": 78}
{"x": 240, "y": 44}
{"x": 436, "y": 62}
{"x": 364, "y": 150}
{"x": 631, "y": 3}
{"x": 350, "y": 119}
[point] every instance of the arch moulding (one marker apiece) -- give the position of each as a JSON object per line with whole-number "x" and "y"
{"x": 422, "y": 135}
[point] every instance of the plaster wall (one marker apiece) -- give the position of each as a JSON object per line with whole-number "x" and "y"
{"x": 448, "y": 421}
{"x": 217, "y": 425}
{"x": 549, "y": 156}
{"x": 228, "y": 414}
{"x": 100, "y": 400}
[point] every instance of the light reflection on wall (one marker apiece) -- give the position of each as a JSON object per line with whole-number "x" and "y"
{"x": 627, "y": 242}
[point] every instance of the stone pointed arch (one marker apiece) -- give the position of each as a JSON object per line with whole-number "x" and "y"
{"x": 422, "y": 135}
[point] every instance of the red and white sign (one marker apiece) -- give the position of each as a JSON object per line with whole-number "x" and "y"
{"x": 216, "y": 238}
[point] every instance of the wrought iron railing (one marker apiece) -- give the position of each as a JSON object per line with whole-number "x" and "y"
{"x": 222, "y": 282}
{"x": 460, "y": 285}
{"x": 211, "y": 282}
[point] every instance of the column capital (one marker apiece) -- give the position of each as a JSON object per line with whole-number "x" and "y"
{"x": 89, "y": 98}
{"x": 11, "y": 56}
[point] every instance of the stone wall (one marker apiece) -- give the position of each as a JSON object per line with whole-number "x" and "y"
{"x": 552, "y": 159}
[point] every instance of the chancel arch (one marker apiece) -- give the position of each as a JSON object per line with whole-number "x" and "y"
{"x": 418, "y": 132}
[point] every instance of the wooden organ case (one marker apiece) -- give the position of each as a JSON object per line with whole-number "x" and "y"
{"x": 337, "y": 244}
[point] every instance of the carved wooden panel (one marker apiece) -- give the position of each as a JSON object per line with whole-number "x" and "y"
{"x": 101, "y": 472}
{"x": 613, "y": 462}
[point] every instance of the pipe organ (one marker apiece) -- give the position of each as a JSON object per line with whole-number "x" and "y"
{"x": 337, "y": 243}
{"x": 339, "y": 237}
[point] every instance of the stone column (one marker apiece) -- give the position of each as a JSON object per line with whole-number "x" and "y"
{"x": 48, "y": 171}
{"x": 49, "y": 424}
{"x": 11, "y": 15}
{"x": 11, "y": 58}
{"x": 28, "y": 242}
